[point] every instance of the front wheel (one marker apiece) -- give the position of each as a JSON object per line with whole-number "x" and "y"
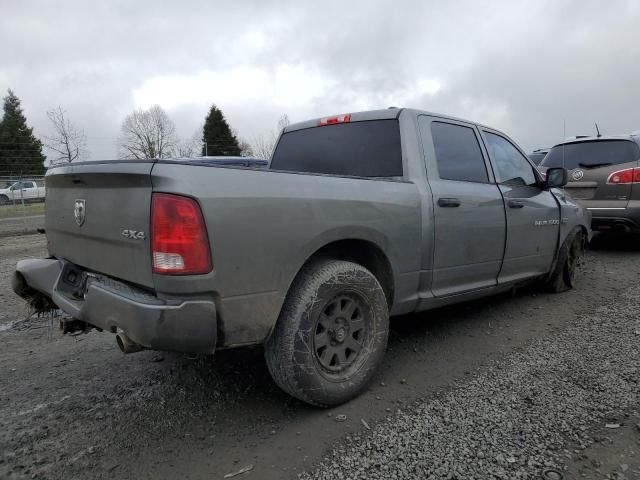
{"x": 331, "y": 335}
{"x": 570, "y": 256}
{"x": 4, "y": 200}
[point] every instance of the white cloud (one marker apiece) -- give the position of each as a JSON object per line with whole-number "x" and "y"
{"x": 284, "y": 86}
{"x": 523, "y": 67}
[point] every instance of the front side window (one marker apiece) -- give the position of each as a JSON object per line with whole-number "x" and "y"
{"x": 511, "y": 167}
{"x": 458, "y": 153}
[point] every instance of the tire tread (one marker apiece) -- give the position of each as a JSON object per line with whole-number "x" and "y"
{"x": 303, "y": 290}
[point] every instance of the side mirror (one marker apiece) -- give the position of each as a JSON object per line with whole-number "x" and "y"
{"x": 556, "y": 178}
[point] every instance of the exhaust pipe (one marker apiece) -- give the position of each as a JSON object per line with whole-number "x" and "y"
{"x": 126, "y": 344}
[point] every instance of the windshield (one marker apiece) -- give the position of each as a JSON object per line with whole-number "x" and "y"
{"x": 592, "y": 154}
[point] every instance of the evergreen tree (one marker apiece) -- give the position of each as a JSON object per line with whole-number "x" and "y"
{"x": 217, "y": 137}
{"x": 20, "y": 150}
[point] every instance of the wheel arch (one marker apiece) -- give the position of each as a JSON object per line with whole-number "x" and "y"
{"x": 364, "y": 252}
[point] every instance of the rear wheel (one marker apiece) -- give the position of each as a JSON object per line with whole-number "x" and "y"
{"x": 4, "y": 200}
{"x": 331, "y": 334}
{"x": 566, "y": 269}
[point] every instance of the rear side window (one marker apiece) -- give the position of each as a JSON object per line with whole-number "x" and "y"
{"x": 458, "y": 153}
{"x": 599, "y": 153}
{"x": 361, "y": 149}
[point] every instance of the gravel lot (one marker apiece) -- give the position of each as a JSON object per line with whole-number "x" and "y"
{"x": 553, "y": 404}
{"x": 506, "y": 387}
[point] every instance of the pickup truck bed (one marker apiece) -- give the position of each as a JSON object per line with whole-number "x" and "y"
{"x": 352, "y": 222}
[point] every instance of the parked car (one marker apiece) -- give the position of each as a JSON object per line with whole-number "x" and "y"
{"x": 538, "y": 155}
{"x": 359, "y": 217}
{"x": 27, "y": 190}
{"x": 604, "y": 177}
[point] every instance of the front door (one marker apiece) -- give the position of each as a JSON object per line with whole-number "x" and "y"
{"x": 468, "y": 211}
{"x": 533, "y": 215}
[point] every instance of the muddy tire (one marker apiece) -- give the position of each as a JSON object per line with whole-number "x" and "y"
{"x": 331, "y": 335}
{"x": 570, "y": 256}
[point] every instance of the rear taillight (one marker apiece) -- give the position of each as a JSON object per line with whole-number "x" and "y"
{"x": 621, "y": 177}
{"x": 179, "y": 242}
{"x": 346, "y": 118}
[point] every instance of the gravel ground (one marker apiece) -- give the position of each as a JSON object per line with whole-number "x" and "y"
{"x": 534, "y": 411}
{"x": 76, "y": 408}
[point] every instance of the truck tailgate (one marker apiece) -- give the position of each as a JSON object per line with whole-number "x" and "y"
{"x": 97, "y": 217}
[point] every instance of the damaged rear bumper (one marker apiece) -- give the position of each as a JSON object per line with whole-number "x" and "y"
{"x": 153, "y": 322}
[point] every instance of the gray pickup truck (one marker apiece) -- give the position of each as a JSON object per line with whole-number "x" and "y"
{"x": 357, "y": 218}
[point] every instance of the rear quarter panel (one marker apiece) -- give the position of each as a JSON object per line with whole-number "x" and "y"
{"x": 263, "y": 225}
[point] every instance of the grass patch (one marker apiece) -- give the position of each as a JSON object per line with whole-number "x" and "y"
{"x": 17, "y": 210}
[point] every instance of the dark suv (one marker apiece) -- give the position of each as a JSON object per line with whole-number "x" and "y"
{"x": 604, "y": 177}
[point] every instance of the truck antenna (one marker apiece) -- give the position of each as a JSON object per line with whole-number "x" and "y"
{"x": 564, "y": 137}
{"x": 598, "y": 131}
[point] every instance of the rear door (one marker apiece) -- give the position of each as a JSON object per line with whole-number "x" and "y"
{"x": 533, "y": 215}
{"x": 469, "y": 217}
{"x": 591, "y": 163}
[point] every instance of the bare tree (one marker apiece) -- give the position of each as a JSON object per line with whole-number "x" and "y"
{"x": 148, "y": 134}
{"x": 246, "y": 150}
{"x": 263, "y": 145}
{"x": 283, "y": 122}
{"x": 189, "y": 147}
{"x": 67, "y": 142}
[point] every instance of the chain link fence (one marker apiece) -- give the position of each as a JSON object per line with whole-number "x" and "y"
{"x": 22, "y": 201}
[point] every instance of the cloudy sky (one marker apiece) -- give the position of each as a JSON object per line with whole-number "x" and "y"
{"x": 525, "y": 67}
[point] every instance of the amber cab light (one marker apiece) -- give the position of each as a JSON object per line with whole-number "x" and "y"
{"x": 179, "y": 241}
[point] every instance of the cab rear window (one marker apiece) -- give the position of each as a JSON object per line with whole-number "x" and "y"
{"x": 592, "y": 154}
{"x": 360, "y": 149}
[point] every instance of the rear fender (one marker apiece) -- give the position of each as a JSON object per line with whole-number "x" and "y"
{"x": 326, "y": 238}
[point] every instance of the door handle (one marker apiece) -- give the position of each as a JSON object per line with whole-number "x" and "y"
{"x": 515, "y": 204}
{"x": 448, "y": 202}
